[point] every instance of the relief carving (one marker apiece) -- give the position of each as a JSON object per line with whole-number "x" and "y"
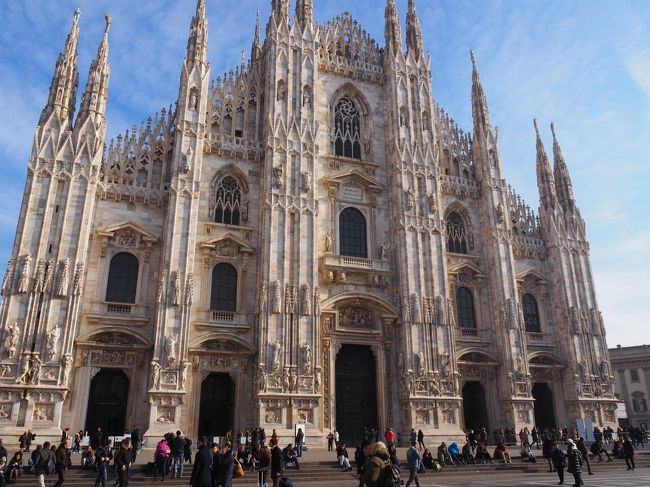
{"x": 355, "y": 317}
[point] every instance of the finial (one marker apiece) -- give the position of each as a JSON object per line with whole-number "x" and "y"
{"x": 553, "y": 132}
{"x": 243, "y": 57}
{"x": 471, "y": 55}
{"x": 109, "y": 21}
{"x": 75, "y": 19}
{"x": 536, "y": 126}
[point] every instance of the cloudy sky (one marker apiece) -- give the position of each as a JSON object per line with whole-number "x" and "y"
{"x": 584, "y": 64}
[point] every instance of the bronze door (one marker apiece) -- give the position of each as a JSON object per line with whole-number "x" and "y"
{"x": 475, "y": 407}
{"x": 356, "y": 393}
{"x": 217, "y": 405}
{"x": 109, "y": 392}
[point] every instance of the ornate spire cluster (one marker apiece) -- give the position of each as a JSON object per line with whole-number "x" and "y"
{"x": 545, "y": 181}
{"x": 413, "y": 32}
{"x": 197, "y": 44}
{"x": 562, "y": 178}
{"x": 93, "y": 101}
{"x": 280, "y": 10}
{"x": 256, "y": 47}
{"x": 480, "y": 112}
{"x": 63, "y": 89}
{"x": 393, "y": 30}
{"x": 523, "y": 219}
{"x": 304, "y": 12}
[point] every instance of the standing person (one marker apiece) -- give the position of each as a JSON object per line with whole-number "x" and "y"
{"x": 574, "y": 463}
{"x": 337, "y": 438}
{"x": 65, "y": 435}
{"x": 330, "y": 441}
{"x": 123, "y": 464}
{"x": 103, "y": 456}
{"x": 97, "y": 439}
{"x": 547, "y": 451}
{"x": 136, "y": 441}
{"x": 362, "y": 459}
{"x": 413, "y": 459}
{"x": 201, "y": 475}
{"x": 276, "y": 465}
{"x": 161, "y": 459}
{"x": 63, "y": 462}
{"x": 44, "y": 464}
{"x": 178, "y": 455}
{"x": 413, "y": 438}
{"x": 264, "y": 467}
{"x": 421, "y": 439}
{"x": 557, "y": 457}
{"x": 3, "y": 450}
{"x": 300, "y": 438}
{"x": 582, "y": 448}
{"x": 227, "y": 465}
{"x": 628, "y": 451}
{"x": 77, "y": 443}
{"x": 378, "y": 461}
{"x": 30, "y": 438}
{"x": 390, "y": 437}
{"x": 187, "y": 452}
{"x": 216, "y": 464}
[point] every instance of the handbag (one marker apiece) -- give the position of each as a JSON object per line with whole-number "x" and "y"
{"x": 238, "y": 469}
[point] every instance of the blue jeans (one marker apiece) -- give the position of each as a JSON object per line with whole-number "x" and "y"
{"x": 178, "y": 465}
{"x": 299, "y": 450}
{"x": 102, "y": 475}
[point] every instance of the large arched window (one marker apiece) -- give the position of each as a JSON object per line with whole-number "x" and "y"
{"x": 465, "y": 308}
{"x": 456, "y": 234}
{"x": 224, "y": 288}
{"x": 228, "y": 204}
{"x": 347, "y": 129}
{"x": 122, "y": 278}
{"x": 531, "y": 315}
{"x": 352, "y": 229}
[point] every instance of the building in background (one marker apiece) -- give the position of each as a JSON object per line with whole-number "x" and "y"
{"x": 309, "y": 239}
{"x": 631, "y": 366}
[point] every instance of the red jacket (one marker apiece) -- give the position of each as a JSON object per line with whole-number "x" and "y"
{"x": 390, "y": 437}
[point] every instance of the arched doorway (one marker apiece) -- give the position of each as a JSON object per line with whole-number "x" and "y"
{"x": 475, "y": 406}
{"x": 356, "y": 392}
{"x": 217, "y": 413}
{"x": 544, "y": 406}
{"x": 107, "y": 401}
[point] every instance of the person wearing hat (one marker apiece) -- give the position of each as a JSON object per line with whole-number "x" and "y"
{"x": 574, "y": 462}
{"x": 413, "y": 459}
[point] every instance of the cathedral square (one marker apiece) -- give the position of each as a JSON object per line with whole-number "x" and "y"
{"x": 308, "y": 240}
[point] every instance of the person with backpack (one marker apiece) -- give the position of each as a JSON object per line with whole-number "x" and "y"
{"x": 63, "y": 462}
{"x": 201, "y": 474}
{"x": 103, "y": 456}
{"x": 413, "y": 459}
{"x": 44, "y": 464}
{"x": 558, "y": 459}
{"x": 379, "y": 472}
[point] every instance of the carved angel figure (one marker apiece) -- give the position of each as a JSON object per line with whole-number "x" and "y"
{"x": 11, "y": 341}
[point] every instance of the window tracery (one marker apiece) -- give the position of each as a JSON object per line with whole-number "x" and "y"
{"x": 347, "y": 129}
{"x": 227, "y": 203}
{"x": 456, "y": 234}
{"x": 531, "y": 314}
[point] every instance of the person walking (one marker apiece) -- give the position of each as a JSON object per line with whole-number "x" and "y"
{"x": 582, "y": 448}
{"x": 44, "y": 464}
{"x": 136, "y": 441}
{"x": 421, "y": 439}
{"x": 227, "y": 465}
{"x": 276, "y": 465}
{"x": 201, "y": 474}
{"x": 628, "y": 451}
{"x": 378, "y": 461}
{"x": 574, "y": 463}
{"x": 557, "y": 457}
{"x": 178, "y": 455}
{"x": 103, "y": 457}
{"x": 123, "y": 461}
{"x": 361, "y": 459}
{"x": 300, "y": 440}
{"x": 413, "y": 459}
{"x": 264, "y": 467}
{"x": 63, "y": 462}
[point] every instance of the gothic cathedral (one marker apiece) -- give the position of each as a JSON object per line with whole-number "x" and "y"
{"x": 309, "y": 239}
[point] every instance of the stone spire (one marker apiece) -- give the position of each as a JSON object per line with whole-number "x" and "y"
{"x": 255, "y": 48}
{"x": 545, "y": 182}
{"x": 480, "y": 112}
{"x": 561, "y": 175}
{"x": 93, "y": 101}
{"x": 413, "y": 31}
{"x": 393, "y": 31}
{"x": 197, "y": 43}
{"x": 64, "y": 84}
{"x": 280, "y": 10}
{"x": 304, "y": 13}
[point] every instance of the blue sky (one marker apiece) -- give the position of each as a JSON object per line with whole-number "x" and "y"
{"x": 584, "y": 64}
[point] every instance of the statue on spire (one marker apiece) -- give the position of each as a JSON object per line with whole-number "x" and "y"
{"x": 480, "y": 111}
{"x": 393, "y": 31}
{"x": 413, "y": 32}
{"x": 545, "y": 181}
{"x": 197, "y": 43}
{"x": 304, "y": 13}
{"x": 563, "y": 183}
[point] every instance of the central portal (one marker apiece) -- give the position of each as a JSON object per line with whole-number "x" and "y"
{"x": 356, "y": 393}
{"x": 217, "y": 413}
{"x": 475, "y": 406}
{"x": 109, "y": 393}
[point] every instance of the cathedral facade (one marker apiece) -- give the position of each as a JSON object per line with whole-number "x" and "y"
{"x": 309, "y": 239}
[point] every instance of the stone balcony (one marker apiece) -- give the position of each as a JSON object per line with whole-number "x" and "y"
{"x": 540, "y": 339}
{"x": 473, "y": 335}
{"x": 340, "y": 268}
{"x": 229, "y": 320}
{"x": 122, "y": 313}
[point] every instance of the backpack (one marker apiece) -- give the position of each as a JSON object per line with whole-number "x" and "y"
{"x": 390, "y": 475}
{"x": 285, "y": 482}
{"x": 238, "y": 470}
{"x": 50, "y": 466}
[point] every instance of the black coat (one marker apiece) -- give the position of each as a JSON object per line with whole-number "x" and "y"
{"x": 201, "y": 473}
{"x": 226, "y": 470}
{"x": 63, "y": 458}
{"x": 575, "y": 461}
{"x": 276, "y": 461}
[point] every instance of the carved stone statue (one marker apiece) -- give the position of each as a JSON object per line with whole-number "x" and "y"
{"x": 317, "y": 309}
{"x": 52, "y": 341}
{"x": 328, "y": 243}
{"x": 67, "y": 367}
{"x": 433, "y": 205}
{"x": 49, "y": 276}
{"x": 286, "y": 381}
{"x": 162, "y": 288}
{"x": 64, "y": 279}
{"x": 383, "y": 251}
{"x": 188, "y": 160}
{"x": 194, "y": 100}
{"x": 400, "y": 363}
{"x": 318, "y": 379}
{"x": 305, "y": 303}
{"x": 293, "y": 382}
{"x": 261, "y": 298}
{"x": 170, "y": 349}
{"x": 78, "y": 283}
{"x": 40, "y": 276}
{"x": 11, "y": 340}
{"x": 262, "y": 383}
{"x": 306, "y": 97}
{"x": 7, "y": 281}
{"x": 189, "y": 290}
{"x": 410, "y": 199}
{"x": 278, "y": 174}
{"x": 277, "y": 298}
{"x": 306, "y": 359}
{"x": 306, "y": 181}
{"x": 177, "y": 289}
{"x": 420, "y": 364}
{"x": 500, "y": 213}
{"x": 35, "y": 370}
{"x": 23, "y": 282}
{"x": 23, "y": 377}
{"x": 185, "y": 367}
{"x": 277, "y": 356}
{"x": 291, "y": 298}
{"x": 155, "y": 375}
{"x": 244, "y": 211}
{"x": 405, "y": 308}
